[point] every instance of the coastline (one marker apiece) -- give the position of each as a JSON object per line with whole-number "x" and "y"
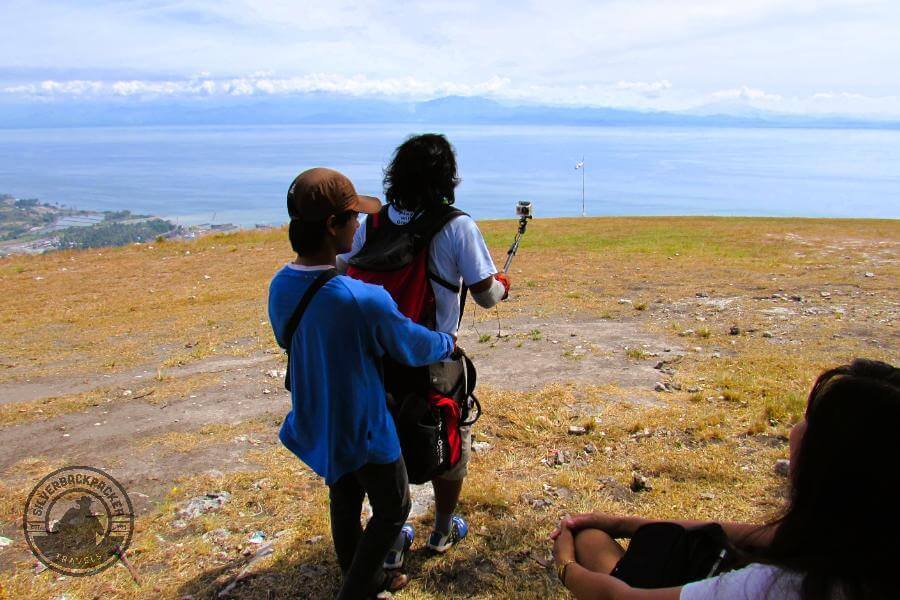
{"x": 29, "y": 226}
{"x": 47, "y": 237}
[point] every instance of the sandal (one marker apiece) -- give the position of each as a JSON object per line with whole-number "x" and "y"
{"x": 393, "y": 582}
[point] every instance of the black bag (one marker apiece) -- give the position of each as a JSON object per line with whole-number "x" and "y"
{"x": 664, "y": 554}
{"x": 429, "y": 415}
{"x": 291, "y": 327}
{"x": 429, "y": 404}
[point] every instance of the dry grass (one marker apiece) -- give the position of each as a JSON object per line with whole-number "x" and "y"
{"x": 153, "y": 391}
{"x": 707, "y": 449}
{"x": 179, "y": 442}
{"x": 500, "y": 560}
{"x": 77, "y": 312}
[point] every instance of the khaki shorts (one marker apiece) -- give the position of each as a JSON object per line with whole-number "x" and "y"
{"x": 459, "y": 472}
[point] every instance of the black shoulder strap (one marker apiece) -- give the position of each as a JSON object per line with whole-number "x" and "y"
{"x": 435, "y": 220}
{"x": 442, "y": 282}
{"x": 462, "y": 290}
{"x": 292, "y": 324}
{"x": 448, "y": 214}
{"x": 462, "y": 304}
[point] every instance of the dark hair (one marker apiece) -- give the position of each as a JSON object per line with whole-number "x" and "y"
{"x": 307, "y": 236}
{"x": 422, "y": 173}
{"x": 839, "y": 529}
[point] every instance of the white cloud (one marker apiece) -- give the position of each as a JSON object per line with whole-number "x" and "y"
{"x": 837, "y": 102}
{"x": 651, "y": 88}
{"x": 653, "y": 95}
{"x": 747, "y": 94}
{"x": 262, "y": 84}
{"x": 848, "y": 104}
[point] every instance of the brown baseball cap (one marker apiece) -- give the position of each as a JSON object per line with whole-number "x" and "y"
{"x": 319, "y": 193}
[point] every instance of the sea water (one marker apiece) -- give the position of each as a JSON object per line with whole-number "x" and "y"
{"x": 241, "y": 174}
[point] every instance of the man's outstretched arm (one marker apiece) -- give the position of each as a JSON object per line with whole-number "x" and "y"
{"x": 491, "y": 290}
{"x": 401, "y": 339}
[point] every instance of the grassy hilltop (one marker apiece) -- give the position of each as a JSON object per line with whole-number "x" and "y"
{"x": 684, "y": 347}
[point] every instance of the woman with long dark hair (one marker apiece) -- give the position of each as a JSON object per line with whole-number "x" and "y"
{"x": 837, "y": 537}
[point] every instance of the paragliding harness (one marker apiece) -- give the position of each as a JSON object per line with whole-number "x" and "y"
{"x": 429, "y": 404}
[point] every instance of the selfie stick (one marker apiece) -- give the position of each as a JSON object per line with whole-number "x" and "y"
{"x": 523, "y": 209}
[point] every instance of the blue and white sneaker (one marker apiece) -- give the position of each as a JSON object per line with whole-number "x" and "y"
{"x": 394, "y": 558}
{"x": 441, "y": 542}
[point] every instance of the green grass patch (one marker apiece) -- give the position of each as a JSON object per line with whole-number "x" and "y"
{"x": 636, "y": 353}
{"x": 671, "y": 237}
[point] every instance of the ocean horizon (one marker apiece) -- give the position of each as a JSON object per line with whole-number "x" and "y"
{"x": 240, "y": 174}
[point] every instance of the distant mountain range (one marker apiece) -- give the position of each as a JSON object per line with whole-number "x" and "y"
{"x": 335, "y": 109}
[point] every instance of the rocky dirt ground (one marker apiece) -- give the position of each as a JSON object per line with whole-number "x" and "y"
{"x": 656, "y": 375}
{"x": 118, "y": 436}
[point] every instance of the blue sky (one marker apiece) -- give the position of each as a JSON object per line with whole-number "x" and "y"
{"x": 796, "y": 56}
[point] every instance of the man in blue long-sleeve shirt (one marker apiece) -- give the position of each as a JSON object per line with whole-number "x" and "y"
{"x": 339, "y": 424}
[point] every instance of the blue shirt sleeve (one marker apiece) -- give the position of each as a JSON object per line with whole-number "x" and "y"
{"x": 275, "y": 318}
{"x": 397, "y": 336}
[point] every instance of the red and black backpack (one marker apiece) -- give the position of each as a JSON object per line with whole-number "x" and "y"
{"x": 431, "y": 403}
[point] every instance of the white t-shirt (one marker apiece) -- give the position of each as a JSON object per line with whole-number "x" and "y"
{"x": 753, "y": 582}
{"x": 458, "y": 254}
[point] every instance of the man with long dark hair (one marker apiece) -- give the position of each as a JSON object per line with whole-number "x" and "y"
{"x": 420, "y": 185}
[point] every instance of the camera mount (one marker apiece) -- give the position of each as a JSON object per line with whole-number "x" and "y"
{"x": 523, "y": 210}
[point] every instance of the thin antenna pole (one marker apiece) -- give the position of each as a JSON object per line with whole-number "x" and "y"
{"x": 583, "y": 213}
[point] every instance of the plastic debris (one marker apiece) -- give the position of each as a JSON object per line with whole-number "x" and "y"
{"x": 258, "y": 537}
{"x": 199, "y": 505}
{"x": 480, "y": 447}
